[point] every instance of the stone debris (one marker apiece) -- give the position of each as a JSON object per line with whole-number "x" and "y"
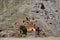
{"x": 41, "y": 13}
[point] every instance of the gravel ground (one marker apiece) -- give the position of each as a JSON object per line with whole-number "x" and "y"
{"x": 38, "y": 38}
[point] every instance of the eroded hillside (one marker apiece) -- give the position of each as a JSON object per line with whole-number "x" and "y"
{"x": 13, "y": 10}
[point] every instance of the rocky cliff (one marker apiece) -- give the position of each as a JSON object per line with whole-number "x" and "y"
{"x": 12, "y": 10}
